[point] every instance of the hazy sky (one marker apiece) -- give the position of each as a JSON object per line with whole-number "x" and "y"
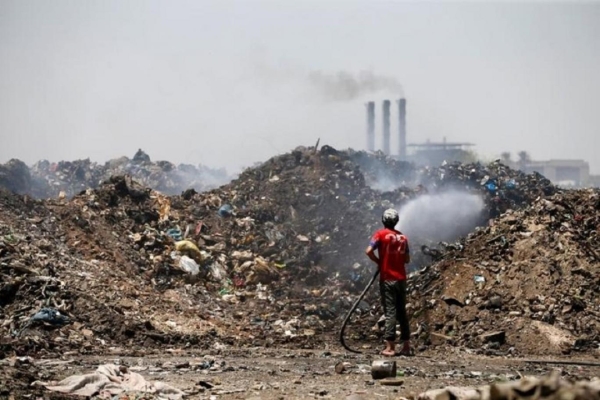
{"x": 230, "y": 83}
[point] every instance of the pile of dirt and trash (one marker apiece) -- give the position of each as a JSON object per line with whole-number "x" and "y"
{"x": 15, "y": 176}
{"x": 47, "y": 179}
{"x": 274, "y": 257}
{"x": 526, "y": 283}
{"x": 503, "y": 187}
{"x": 194, "y": 268}
{"x": 551, "y": 387}
{"x": 73, "y": 279}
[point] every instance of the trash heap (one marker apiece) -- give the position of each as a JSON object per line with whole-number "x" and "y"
{"x": 74, "y": 259}
{"x": 503, "y": 187}
{"x": 527, "y": 283}
{"x": 68, "y": 178}
{"x": 15, "y": 176}
{"x": 274, "y": 257}
{"x": 550, "y": 387}
{"x": 176, "y": 270}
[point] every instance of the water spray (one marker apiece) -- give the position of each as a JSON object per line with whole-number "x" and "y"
{"x": 440, "y": 217}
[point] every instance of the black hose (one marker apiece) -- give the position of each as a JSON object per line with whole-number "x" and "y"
{"x": 352, "y": 310}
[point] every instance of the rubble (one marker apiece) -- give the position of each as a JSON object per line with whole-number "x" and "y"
{"x": 550, "y": 387}
{"x": 272, "y": 258}
{"x": 15, "y": 176}
{"x": 47, "y": 179}
{"x": 531, "y": 273}
{"x": 503, "y": 187}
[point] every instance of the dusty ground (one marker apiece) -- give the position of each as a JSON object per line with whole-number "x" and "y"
{"x": 278, "y": 374}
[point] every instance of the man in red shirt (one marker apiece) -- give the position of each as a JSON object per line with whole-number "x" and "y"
{"x": 392, "y": 255}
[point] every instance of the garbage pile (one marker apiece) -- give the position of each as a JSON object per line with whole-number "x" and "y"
{"x": 273, "y": 257}
{"x": 68, "y": 178}
{"x": 550, "y": 387}
{"x": 15, "y": 176}
{"x": 72, "y": 280}
{"x": 503, "y": 187}
{"x": 527, "y": 283}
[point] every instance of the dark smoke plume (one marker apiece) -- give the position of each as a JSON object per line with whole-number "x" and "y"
{"x": 343, "y": 86}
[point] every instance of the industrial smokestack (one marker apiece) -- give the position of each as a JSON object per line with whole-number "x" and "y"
{"x": 371, "y": 126}
{"x": 386, "y": 127}
{"x": 402, "y": 128}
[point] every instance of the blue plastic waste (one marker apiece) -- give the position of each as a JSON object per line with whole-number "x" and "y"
{"x": 510, "y": 184}
{"x": 225, "y": 211}
{"x": 491, "y": 187}
{"x": 175, "y": 234}
{"x": 51, "y": 316}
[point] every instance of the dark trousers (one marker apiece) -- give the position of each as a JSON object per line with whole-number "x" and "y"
{"x": 393, "y": 299}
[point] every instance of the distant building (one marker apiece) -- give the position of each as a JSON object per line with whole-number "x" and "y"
{"x": 435, "y": 153}
{"x": 574, "y": 173}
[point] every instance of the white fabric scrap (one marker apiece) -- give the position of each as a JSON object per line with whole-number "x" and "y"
{"x": 108, "y": 381}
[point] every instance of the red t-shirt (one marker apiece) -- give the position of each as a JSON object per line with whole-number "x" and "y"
{"x": 392, "y": 247}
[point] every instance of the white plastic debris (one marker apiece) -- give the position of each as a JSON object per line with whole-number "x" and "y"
{"x": 188, "y": 265}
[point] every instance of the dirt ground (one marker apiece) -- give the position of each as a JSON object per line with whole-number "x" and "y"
{"x": 287, "y": 374}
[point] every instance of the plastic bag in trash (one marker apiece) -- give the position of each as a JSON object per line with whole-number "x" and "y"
{"x": 188, "y": 265}
{"x": 51, "y": 316}
{"x": 491, "y": 187}
{"x": 225, "y": 211}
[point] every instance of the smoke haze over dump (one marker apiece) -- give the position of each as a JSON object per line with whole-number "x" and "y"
{"x": 440, "y": 217}
{"x": 179, "y": 79}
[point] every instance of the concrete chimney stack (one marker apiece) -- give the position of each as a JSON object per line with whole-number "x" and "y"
{"x": 386, "y": 127}
{"x": 402, "y": 128}
{"x": 371, "y": 126}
